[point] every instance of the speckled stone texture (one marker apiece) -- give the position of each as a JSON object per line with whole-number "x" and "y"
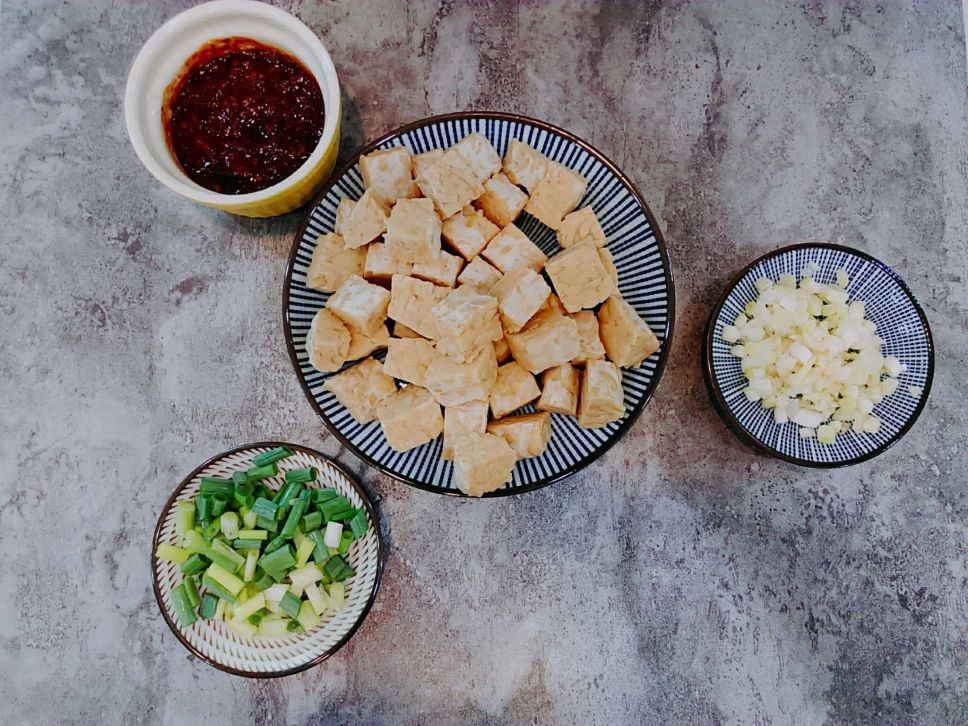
{"x": 680, "y": 579}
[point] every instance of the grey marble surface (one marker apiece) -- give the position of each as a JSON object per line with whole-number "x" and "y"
{"x": 680, "y": 579}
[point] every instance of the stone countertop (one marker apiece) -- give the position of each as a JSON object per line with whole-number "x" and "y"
{"x": 679, "y": 579}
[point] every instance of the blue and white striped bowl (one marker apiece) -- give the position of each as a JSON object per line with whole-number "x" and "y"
{"x": 634, "y": 239}
{"x": 889, "y": 304}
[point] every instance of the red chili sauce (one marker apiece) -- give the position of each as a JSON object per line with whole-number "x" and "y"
{"x": 242, "y": 116}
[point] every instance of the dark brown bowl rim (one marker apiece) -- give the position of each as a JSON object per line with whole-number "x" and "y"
{"x": 666, "y": 265}
{"x": 733, "y": 424}
{"x": 380, "y": 561}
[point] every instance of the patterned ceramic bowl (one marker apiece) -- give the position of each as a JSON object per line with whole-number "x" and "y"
{"x": 266, "y": 657}
{"x": 889, "y": 304}
{"x": 634, "y": 239}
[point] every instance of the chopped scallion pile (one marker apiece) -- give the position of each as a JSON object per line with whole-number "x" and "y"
{"x": 268, "y": 562}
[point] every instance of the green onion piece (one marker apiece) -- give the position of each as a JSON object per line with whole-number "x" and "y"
{"x": 246, "y": 544}
{"x": 278, "y": 562}
{"x": 290, "y": 605}
{"x": 209, "y": 605}
{"x": 325, "y": 579}
{"x": 268, "y": 524}
{"x": 219, "y": 503}
{"x": 273, "y": 626}
{"x": 213, "y": 485}
{"x": 256, "y": 618}
{"x": 343, "y": 515}
{"x": 303, "y": 550}
{"x": 285, "y": 494}
{"x": 359, "y": 523}
{"x": 323, "y": 494}
{"x": 194, "y": 565}
{"x": 320, "y": 554}
{"x": 338, "y": 569}
{"x": 225, "y": 557}
{"x": 253, "y": 534}
{"x": 265, "y": 508}
{"x": 258, "y": 473}
{"x": 252, "y": 605}
{"x": 194, "y": 542}
{"x": 192, "y": 590}
{"x": 274, "y": 544}
{"x": 293, "y": 625}
{"x": 211, "y": 530}
{"x": 165, "y": 551}
{"x": 248, "y": 572}
{"x": 312, "y": 521}
{"x": 184, "y": 516}
{"x": 238, "y": 500}
{"x": 248, "y": 519}
{"x": 229, "y": 524}
{"x": 225, "y": 579}
{"x": 272, "y": 456}
{"x": 306, "y": 495}
{"x": 334, "y": 505}
{"x": 302, "y": 475}
{"x": 238, "y": 478}
{"x": 307, "y": 616}
{"x": 344, "y": 542}
{"x": 246, "y": 487}
{"x": 263, "y": 580}
{"x": 295, "y": 514}
{"x": 216, "y": 589}
{"x": 203, "y": 507}
{"x": 181, "y": 601}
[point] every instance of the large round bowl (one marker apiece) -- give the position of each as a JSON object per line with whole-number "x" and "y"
{"x": 265, "y": 657}
{"x": 645, "y": 281}
{"x": 900, "y": 321}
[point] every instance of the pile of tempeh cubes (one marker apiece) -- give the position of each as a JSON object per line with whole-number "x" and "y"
{"x": 432, "y": 246}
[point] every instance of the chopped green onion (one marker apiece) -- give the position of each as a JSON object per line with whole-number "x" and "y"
{"x": 203, "y": 507}
{"x": 320, "y": 554}
{"x": 359, "y": 523}
{"x": 273, "y": 627}
{"x": 219, "y": 503}
{"x": 210, "y": 529}
{"x": 312, "y": 521}
{"x": 271, "y": 456}
{"x": 317, "y": 597}
{"x": 226, "y": 579}
{"x": 192, "y": 591}
{"x": 250, "y": 606}
{"x": 226, "y": 557}
{"x": 243, "y": 627}
{"x": 277, "y": 562}
{"x": 267, "y": 524}
{"x": 337, "y": 596}
{"x": 338, "y": 569}
{"x": 184, "y": 610}
{"x": 165, "y": 551}
{"x": 248, "y": 572}
{"x": 217, "y": 590}
{"x": 264, "y": 580}
{"x": 256, "y": 618}
{"x": 184, "y": 516}
{"x": 209, "y": 606}
{"x": 213, "y": 485}
{"x": 253, "y": 534}
{"x": 292, "y": 626}
{"x": 343, "y": 515}
{"x": 322, "y": 495}
{"x": 258, "y": 473}
{"x": 307, "y": 616}
{"x": 304, "y": 551}
{"x": 194, "y": 565}
{"x": 220, "y": 609}
{"x": 345, "y": 542}
{"x": 249, "y": 518}
{"x": 229, "y": 523}
{"x": 333, "y": 505}
{"x": 295, "y": 514}
{"x": 194, "y": 542}
{"x": 285, "y": 494}
{"x": 302, "y": 475}
{"x": 265, "y": 508}
{"x": 246, "y": 544}
{"x": 274, "y": 544}
{"x": 289, "y": 605}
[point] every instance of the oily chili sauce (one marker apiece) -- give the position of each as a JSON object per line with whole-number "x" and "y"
{"x": 242, "y": 116}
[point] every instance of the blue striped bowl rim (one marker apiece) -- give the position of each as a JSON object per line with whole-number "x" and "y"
{"x": 900, "y": 321}
{"x": 645, "y": 280}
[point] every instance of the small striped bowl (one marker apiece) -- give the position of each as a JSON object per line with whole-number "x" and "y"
{"x": 634, "y": 239}
{"x": 889, "y": 304}
{"x": 221, "y": 646}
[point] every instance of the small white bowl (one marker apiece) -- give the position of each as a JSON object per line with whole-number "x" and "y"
{"x": 164, "y": 55}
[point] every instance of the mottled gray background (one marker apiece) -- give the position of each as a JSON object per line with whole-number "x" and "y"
{"x": 680, "y": 579}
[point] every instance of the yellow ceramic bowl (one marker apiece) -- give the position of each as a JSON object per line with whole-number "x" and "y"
{"x": 164, "y": 55}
